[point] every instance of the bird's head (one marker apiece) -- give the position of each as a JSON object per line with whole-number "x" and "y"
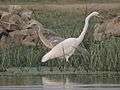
{"x": 93, "y": 14}
{"x": 96, "y": 14}
{"x": 33, "y": 24}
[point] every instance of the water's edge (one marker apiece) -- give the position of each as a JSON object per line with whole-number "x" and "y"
{"x": 44, "y": 71}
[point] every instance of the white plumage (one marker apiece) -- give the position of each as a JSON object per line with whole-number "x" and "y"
{"x": 67, "y": 47}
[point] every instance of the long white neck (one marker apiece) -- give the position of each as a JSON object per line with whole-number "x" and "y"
{"x": 81, "y": 37}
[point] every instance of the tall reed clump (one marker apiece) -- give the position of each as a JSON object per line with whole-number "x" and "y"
{"x": 20, "y": 56}
{"x": 105, "y": 55}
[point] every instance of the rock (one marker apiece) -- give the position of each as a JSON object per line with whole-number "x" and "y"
{"x": 14, "y": 24}
{"x": 5, "y": 25}
{"x": 6, "y": 41}
{"x": 27, "y": 37}
{"x": 5, "y": 16}
{"x": 26, "y": 15}
{"x": 18, "y": 38}
{"x": 99, "y": 32}
{"x": 107, "y": 29}
{"x": 14, "y": 8}
{"x": 14, "y": 27}
{"x": 3, "y": 31}
{"x": 31, "y": 40}
{"x": 1, "y": 28}
{"x": 113, "y": 27}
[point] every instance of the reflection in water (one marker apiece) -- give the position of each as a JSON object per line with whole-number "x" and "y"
{"x": 20, "y": 80}
{"x": 60, "y": 82}
{"x": 73, "y": 79}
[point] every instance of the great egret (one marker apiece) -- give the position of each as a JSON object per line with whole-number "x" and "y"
{"x": 67, "y": 47}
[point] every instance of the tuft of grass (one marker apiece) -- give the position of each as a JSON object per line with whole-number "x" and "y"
{"x": 105, "y": 56}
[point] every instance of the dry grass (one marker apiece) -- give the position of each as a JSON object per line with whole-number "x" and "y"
{"x": 70, "y": 7}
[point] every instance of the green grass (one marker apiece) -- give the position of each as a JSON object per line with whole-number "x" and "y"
{"x": 103, "y": 56}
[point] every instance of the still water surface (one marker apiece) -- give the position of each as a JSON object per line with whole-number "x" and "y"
{"x": 60, "y": 82}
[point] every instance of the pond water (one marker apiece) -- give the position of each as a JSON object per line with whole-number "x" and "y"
{"x": 60, "y": 82}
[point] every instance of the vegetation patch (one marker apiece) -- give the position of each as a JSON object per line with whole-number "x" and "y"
{"x": 102, "y": 56}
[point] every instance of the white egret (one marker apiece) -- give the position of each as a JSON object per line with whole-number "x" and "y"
{"x": 67, "y": 47}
